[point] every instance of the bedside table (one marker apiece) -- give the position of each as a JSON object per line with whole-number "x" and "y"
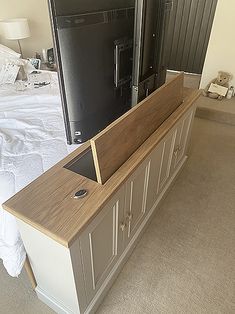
{"x": 44, "y": 66}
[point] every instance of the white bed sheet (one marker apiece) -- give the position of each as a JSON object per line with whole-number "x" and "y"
{"x": 32, "y": 139}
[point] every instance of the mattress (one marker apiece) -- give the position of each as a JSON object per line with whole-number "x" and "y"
{"x": 32, "y": 139}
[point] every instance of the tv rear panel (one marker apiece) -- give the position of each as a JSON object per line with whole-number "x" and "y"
{"x": 150, "y": 32}
{"x": 94, "y": 46}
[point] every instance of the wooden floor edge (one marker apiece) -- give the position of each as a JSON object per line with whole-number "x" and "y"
{"x": 30, "y": 273}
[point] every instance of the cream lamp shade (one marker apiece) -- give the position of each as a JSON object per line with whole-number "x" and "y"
{"x": 16, "y": 29}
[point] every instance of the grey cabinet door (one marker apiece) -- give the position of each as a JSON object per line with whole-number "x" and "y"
{"x": 182, "y": 135}
{"x": 101, "y": 244}
{"x": 135, "y": 205}
{"x": 166, "y": 158}
{"x": 154, "y": 175}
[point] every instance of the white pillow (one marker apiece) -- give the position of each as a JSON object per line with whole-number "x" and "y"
{"x": 28, "y": 67}
{"x": 6, "y": 52}
{"x": 8, "y": 55}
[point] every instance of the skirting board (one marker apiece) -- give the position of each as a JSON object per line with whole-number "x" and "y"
{"x": 51, "y": 302}
{"x": 60, "y": 309}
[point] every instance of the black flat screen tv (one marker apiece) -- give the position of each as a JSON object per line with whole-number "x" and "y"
{"x": 110, "y": 54}
{"x": 93, "y": 41}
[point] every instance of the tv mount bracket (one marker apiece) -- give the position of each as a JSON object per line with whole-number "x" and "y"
{"x": 123, "y": 58}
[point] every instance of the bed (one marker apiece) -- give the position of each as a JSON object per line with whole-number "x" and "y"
{"x": 32, "y": 139}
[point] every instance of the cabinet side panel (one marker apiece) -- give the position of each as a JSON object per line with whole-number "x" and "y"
{"x": 52, "y": 268}
{"x": 76, "y": 257}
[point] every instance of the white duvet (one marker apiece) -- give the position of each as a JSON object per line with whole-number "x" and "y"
{"x": 32, "y": 139}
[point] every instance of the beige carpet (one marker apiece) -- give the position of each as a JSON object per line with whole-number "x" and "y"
{"x": 221, "y": 111}
{"x": 185, "y": 262}
{"x": 17, "y": 297}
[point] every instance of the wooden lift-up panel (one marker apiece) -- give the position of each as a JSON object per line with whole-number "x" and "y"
{"x": 116, "y": 143}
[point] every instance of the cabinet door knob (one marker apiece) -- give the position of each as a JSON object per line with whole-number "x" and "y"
{"x": 176, "y": 150}
{"x": 129, "y": 216}
{"x": 122, "y": 226}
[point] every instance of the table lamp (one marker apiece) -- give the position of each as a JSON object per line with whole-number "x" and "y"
{"x": 16, "y": 29}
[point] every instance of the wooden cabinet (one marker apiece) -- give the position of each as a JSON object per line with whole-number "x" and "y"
{"x": 102, "y": 243}
{"x": 86, "y": 241}
{"x": 110, "y": 232}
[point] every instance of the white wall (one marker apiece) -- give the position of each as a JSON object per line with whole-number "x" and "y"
{"x": 37, "y": 13}
{"x": 221, "y": 49}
